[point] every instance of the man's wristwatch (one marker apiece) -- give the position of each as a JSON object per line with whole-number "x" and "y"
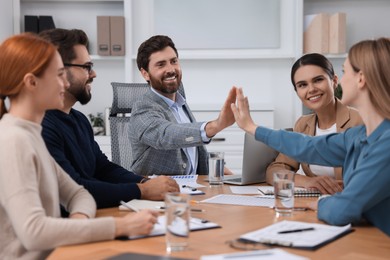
{"x": 144, "y": 180}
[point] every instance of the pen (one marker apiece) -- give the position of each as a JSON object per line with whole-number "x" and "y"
{"x": 192, "y": 209}
{"x": 295, "y": 208}
{"x": 189, "y": 187}
{"x": 249, "y": 254}
{"x": 295, "y": 230}
{"x": 124, "y": 204}
{"x": 300, "y": 209}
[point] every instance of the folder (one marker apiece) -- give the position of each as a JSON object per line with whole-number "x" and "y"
{"x": 316, "y": 34}
{"x": 117, "y": 33}
{"x": 103, "y": 35}
{"x": 31, "y": 23}
{"x": 337, "y": 33}
{"x": 297, "y": 234}
{"x": 46, "y": 23}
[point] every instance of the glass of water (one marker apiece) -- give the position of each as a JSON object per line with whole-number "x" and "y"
{"x": 284, "y": 192}
{"x": 216, "y": 168}
{"x": 177, "y": 213}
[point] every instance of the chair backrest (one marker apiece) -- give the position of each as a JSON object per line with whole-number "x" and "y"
{"x": 124, "y": 96}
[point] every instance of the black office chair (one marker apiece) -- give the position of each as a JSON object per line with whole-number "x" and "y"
{"x": 124, "y": 97}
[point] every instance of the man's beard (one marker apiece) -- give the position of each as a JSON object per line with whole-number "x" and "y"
{"x": 167, "y": 88}
{"x": 79, "y": 91}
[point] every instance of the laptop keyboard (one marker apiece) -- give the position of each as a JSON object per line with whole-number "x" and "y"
{"x": 239, "y": 179}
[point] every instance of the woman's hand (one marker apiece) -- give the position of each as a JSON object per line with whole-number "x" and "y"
{"x": 134, "y": 224}
{"x": 242, "y": 114}
{"x": 325, "y": 184}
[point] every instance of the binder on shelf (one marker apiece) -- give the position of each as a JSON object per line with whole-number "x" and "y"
{"x": 117, "y": 35}
{"x": 316, "y": 34}
{"x": 337, "y": 33}
{"x": 103, "y": 35}
{"x": 46, "y": 23}
{"x": 31, "y": 23}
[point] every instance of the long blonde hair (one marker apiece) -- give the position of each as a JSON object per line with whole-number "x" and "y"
{"x": 372, "y": 58}
{"x": 19, "y": 55}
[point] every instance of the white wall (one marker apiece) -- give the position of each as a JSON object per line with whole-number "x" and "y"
{"x": 266, "y": 80}
{"x": 6, "y": 22}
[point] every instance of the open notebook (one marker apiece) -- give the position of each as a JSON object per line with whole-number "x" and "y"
{"x": 298, "y": 191}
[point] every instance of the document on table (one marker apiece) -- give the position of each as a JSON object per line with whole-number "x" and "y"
{"x": 245, "y": 190}
{"x": 297, "y": 234}
{"x": 262, "y": 201}
{"x": 144, "y": 204}
{"x": 187, "y": 183}
{"x": 269, "y": 254}
{"x": 195, "y": 224}
{"x": 298, "y": 191}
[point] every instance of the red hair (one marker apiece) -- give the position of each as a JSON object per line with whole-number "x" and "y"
{"x": 19, "y": 55}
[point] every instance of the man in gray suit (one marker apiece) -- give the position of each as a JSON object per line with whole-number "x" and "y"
{"x": 165, "y": 137}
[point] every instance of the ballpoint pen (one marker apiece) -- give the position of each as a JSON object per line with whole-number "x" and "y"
{"x": 248, "y": 254}
{"x": 189, "y": 187}
{"x": 124, "y": 204}
{"x": 192, "y": 209}
{"x": 295, "y": 230}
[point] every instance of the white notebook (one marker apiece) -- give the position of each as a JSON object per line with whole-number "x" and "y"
{"x": 195, "y": 224}
{"x": 298, "y": 191}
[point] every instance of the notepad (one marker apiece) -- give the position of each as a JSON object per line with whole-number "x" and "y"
{"x": 195, "y": 225}
{"x": 298, "y": 191}
{"x": 144, "y": 204}
{"x": 187, "y": 184}
{"x": 262, "y": 201}
{"x": 317, "y": 236}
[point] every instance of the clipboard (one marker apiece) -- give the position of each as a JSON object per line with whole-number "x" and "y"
{"x": 296, "y": 234}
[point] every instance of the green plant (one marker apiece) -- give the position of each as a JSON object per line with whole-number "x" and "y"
{"x": 96, "y": 121}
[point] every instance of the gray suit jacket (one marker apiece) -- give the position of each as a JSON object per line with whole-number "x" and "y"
{"x": 157, "y": 138}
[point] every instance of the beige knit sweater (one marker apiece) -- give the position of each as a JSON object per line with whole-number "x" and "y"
{"x": 32, "y": 186}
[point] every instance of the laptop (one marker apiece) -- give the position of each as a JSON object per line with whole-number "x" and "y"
{"x": 257, "y": 157}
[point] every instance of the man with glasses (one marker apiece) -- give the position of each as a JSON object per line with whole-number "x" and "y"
{"x": 69, "y": 136}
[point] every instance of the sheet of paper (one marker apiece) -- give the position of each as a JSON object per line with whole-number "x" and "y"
{"x": 269, "y": 254}
{"x": 245, "y": 190}
{"x": 262, "y": 201}
{"x": 144, "y": 204}
{"x": 319, "y": 234}
{"x": 195, "y": 224}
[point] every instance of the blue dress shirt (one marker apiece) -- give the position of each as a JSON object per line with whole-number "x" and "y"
{"x": 182, "y": 117}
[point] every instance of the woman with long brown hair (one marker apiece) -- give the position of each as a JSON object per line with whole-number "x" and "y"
{"x": 362, "y": 151}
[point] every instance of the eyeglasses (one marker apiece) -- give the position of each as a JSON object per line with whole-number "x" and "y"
{"x": 88, "y": 66}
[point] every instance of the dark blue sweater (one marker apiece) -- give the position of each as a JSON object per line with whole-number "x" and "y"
{"x": 70, "y": 140}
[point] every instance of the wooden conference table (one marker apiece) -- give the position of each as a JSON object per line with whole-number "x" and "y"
{"x": 365, "y": 242}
